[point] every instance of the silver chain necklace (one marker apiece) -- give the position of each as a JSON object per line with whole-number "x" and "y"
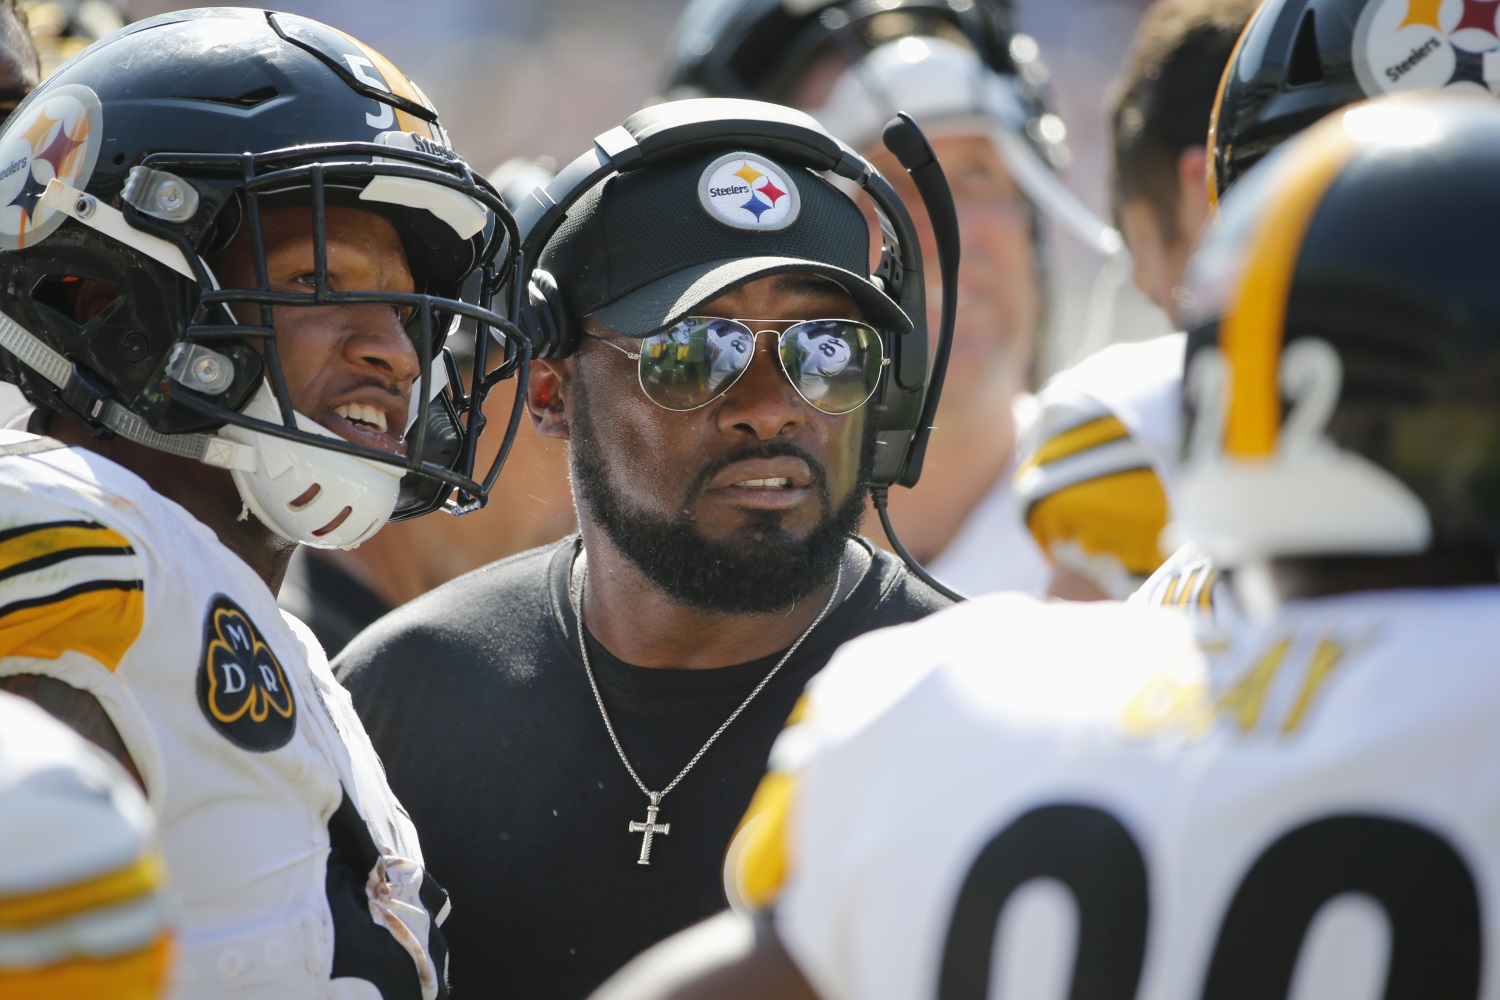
{"x": 651, "y": 827}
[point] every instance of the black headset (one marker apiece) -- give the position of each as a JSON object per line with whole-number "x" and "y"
{"x": 906, "y": 397}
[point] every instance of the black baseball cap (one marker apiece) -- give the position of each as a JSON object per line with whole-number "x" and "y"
{"x": 645, "y": 248}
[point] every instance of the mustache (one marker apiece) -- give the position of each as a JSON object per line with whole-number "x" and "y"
{"x": 392, "y": 388}
{"x": 768, "y": 449}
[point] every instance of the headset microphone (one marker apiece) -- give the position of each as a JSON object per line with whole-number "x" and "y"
{"x": 907, "y": 143}
{"x": 915, "y": 154}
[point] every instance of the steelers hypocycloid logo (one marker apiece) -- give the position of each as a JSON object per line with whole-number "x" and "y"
{"x": 58, "y": 136}
{"x": 1402, "y": 45}
{"x": 241, "y": 687}
{"x": 750, "y": 192}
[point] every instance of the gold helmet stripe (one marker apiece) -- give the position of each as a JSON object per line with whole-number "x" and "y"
{"x": 400, "y": 85}
{"x": 1212, "y": 174}
{"x": 1252, "y": 329}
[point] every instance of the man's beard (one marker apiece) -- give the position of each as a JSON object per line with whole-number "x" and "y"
{"x": 762, "y": 568}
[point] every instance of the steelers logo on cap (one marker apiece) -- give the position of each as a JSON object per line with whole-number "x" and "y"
{"x": 749, "y": 192}
{"x": 56, "y": 137}
{"x": 1404, "y": 45}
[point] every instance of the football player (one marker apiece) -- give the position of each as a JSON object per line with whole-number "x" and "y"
{"x": 1096, "y": 469}
{"x": 232, "y": 242}
{"x": 976, "y": 86}
{"x": 1104, "y": 810}
{"x": 82, "y": 912}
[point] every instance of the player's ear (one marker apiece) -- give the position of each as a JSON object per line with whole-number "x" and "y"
{"x": 548, "y": 392}
{"x": 1192, "y": 192}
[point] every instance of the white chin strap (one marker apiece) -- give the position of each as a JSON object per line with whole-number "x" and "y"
{"x": 277, "y": 488}
{"x": 947, "y": 89}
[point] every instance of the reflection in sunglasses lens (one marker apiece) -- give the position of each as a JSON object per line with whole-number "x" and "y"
{"x": 834, "y": 364}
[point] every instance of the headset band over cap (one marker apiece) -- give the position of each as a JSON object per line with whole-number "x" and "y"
{"x": 644, "y": 249}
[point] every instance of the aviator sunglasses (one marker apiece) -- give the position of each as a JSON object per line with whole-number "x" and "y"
{"x": 834, "y": 364}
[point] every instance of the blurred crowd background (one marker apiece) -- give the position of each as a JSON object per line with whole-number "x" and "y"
{"x": 540, "y": 78}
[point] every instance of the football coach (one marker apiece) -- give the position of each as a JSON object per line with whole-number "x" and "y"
{"x": 577, "y": 730}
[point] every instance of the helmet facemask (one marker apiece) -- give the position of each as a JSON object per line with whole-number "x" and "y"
{"x": 127, "y": 173}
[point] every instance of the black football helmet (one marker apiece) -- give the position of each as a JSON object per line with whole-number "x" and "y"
{"x": 151, "y": 150}
{"x": 948, "y": 63}
{"x": 756, "y": 48}
{"x": 1300, "y": 60}
{"x": 1343, "y": 367}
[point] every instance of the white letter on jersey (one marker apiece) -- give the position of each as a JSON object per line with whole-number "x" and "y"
{"x": 234, "y": 678}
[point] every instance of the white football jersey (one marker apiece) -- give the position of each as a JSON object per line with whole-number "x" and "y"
{"x": 1191, "y": 582}
{"x": 1092, "y": 801}
{"x": 82, "y": 912}
{"x": 294, "y": 872}
{"x": 1095, "y": 476}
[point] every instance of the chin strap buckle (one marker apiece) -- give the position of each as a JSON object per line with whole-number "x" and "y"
{"x": 87, "y": 396}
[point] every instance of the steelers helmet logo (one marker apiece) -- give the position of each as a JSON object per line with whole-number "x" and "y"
{"x": 55, "y": 137}
{"x": 1402, "y": 45}
{"x": 241, "y": 687}
{"x": 749, "y": 192}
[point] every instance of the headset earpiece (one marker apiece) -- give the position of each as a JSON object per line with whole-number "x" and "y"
{"x": 544, "y": 318}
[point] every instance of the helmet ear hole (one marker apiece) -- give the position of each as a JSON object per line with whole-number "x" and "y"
{"x": 80, "y": 299}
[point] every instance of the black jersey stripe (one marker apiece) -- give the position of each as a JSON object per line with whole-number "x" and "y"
{"x": 30, "y": 529}
{"x": 63, "y": 555}
{"x": 63, "y": 595}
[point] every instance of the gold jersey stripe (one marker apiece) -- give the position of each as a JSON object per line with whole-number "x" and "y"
{"x": 101, "y": 619}
{"x": 763, "y": 856}
{"x": 1072, "y": 442}
{"x": 1121, "y": 514}
{"x": 136, "y": 975}
{"x": 1206, "y": 595}
{"x": 141, "y": 878}
{"x": 799, "y": 712}
{"x": 1253, "y": 326}
{"x": 40, "y": 545}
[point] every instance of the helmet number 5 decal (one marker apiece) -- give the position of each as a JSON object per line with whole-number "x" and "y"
{"x": 363, "y": 68}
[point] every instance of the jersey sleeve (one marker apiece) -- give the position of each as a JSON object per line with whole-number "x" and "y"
{"x": 1089, "y": 493}
{"x": 72, "y": 605}
{"x": 67, "y": 585}
{"x": 755, "y": 867}
{"x": 82, "y": 910}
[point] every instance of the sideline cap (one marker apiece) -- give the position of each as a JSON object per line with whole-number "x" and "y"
{"x": 643, "y": 249}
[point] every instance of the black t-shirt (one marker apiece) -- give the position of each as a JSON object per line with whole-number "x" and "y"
{"x": 477, "y": 702}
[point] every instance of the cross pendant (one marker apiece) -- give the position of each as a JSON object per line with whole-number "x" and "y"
{"x": 650, "y": 828}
